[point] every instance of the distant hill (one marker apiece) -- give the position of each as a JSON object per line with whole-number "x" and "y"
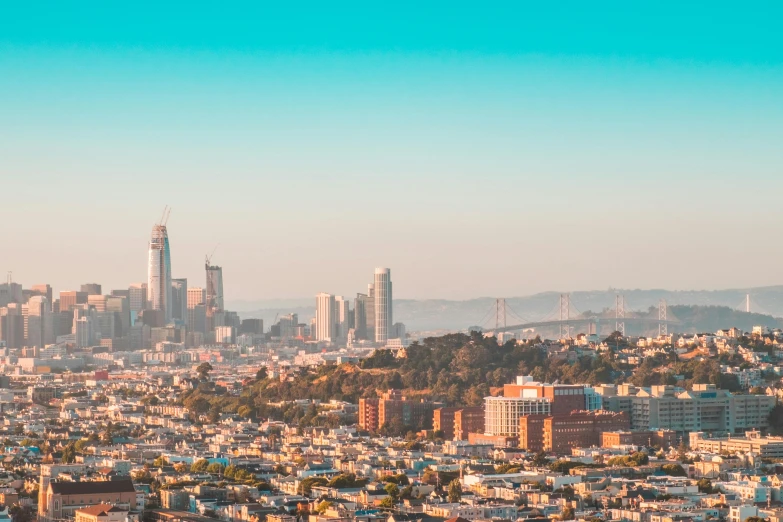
{"x": 703, "y": 310}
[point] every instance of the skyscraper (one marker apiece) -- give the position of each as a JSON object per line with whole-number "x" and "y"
{"x": 159, "y": 275}
{"x": 196, "y": 296}
{"x": 214, "y": 295}
{"x": 325, "y": 317}
{"x": 383, "y": 304}
{"x": 40, "y": 330}
{"x": 92, "y": 289}
{"x": 70, "y": 299}
{"x": 343, "y": 317}
{"x": 179, "y": 300}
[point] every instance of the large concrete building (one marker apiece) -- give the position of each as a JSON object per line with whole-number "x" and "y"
{"x": 704, "y": 408}
{"x": 751, "y": 442}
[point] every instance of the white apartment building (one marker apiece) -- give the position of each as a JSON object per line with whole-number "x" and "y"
{"x": 502, "y": 414}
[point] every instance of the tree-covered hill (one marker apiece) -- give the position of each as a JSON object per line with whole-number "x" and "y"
{"x": 455, "y": 369}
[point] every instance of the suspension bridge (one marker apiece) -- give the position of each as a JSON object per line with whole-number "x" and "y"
{"x": 566, "y": 318}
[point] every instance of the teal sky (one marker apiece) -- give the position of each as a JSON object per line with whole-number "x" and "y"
{"x": 477, "y": 150}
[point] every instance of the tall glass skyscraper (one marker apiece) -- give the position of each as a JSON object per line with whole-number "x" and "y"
{"x": 159, "y": 274}
{"x": 383, "y": 304}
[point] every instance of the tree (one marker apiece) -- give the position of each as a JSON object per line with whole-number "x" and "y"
{"x": 564, "y": 466}
{"x": 203, "y": 370}
{"x": 705, "y": 486}
{"x": 323, "y": 506}
{"x": 261, "y": 374}
{"x": 393, "y": 490}
{"x": 567, "y": 513}
{"x": 159, "y": 462}
{"x": 215, "y": 468}
{"x": 306, "y": 486}
{"x": 674, "y": 470}
{"x": 387, "y": 503}
{"x": 69, "y": 454}
{"x": 199, "y": 466}
{"x": 540, "y": 459}
{"x": 455, "y": 491}
{"x": 20, "y": 513}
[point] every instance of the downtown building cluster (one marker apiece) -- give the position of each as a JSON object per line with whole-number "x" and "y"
{"x": 161, "y": 310}
{"x": 371, "y": 321}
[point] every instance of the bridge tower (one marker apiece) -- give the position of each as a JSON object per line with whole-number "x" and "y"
{"x": 500, "y": 314}
{"x": 619, "y": 313}
{"x": 565, "y": 316}
{"x": 663, "y": 327}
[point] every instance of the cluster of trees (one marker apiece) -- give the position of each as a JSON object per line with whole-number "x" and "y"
{"x": 636, "y": 459}
{"x": 683, "y": 373}
{"x": 674, "y": 470}
{"x": 204, "y": 466}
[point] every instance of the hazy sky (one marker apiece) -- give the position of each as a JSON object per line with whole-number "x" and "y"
{"x": 477, "y": 151}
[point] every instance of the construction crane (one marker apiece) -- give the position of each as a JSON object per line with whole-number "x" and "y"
{"x": 209, "y": 257}
{"x": 164, "y": 218}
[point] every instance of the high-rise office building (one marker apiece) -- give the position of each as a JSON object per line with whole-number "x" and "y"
{"x": 343, "y": 316}
{"x": 97, "y": 301}
{"x": 179, "y": 300}
{"x": 197, "y": 318}
{"x": 120, "y": 306}
{"x": 252, "y": 326}
{"x": 40, "y": 329}
{"x": 324, "y": 317}
{"x": 382, "y": 289}
{"x": 196, "y": 296}
{"x": 44, "y": 290}
{"x": 288, "y": 325}
{"x": 137, "y": 293}
{"x": 92, "y": 289}
{"x": 10, "y": 292}
{"x": 364, "y": 316}
{"x": 12, "y": 325}
{"x": 159, "y": 272}
{"x": 69, "y": 299}
{"x": 214, "y": 296}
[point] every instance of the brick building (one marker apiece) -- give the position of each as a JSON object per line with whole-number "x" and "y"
{"x": 456, "y": 423}
{"x": 561, "y": 432}
{"x": 443, "y": 421}
{"x": 565, "y": 398}
{"x": 368, "y": 414}
{"x": 391, "y": 407}
{"x": 468, "y": 420}
{"x": 662, "y": 438}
